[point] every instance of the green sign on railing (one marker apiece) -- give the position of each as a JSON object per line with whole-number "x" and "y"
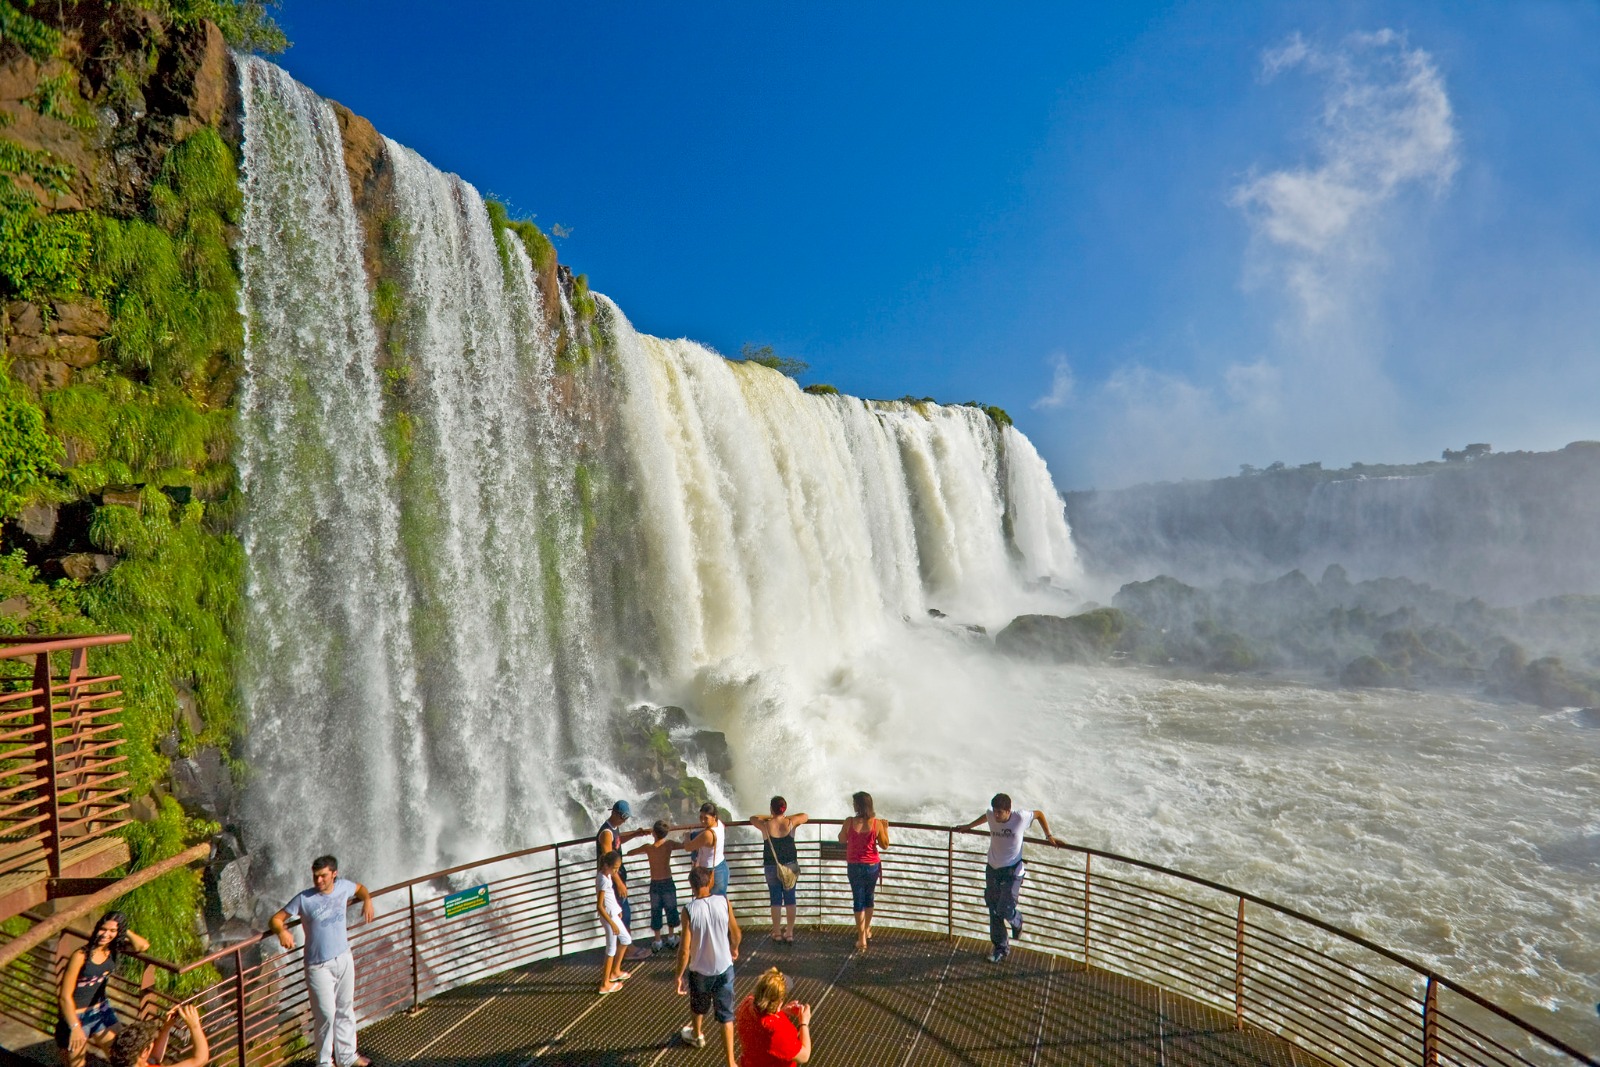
{"x": 465, "y": 901}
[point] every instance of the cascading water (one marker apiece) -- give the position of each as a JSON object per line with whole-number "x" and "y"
{"x": 442, "y": 629}
{"x": 469, "y": 549}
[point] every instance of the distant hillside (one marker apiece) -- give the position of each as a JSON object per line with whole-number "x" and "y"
{"x": 1509, "y": 527}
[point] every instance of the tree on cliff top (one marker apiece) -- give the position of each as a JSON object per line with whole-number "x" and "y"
{"x": 767, "y": 357}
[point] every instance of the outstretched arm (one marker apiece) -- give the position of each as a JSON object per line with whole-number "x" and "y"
{"x": 973, "y": 825}
{"x": 1044, "y": 824}
{"x": 200, "y": 1050}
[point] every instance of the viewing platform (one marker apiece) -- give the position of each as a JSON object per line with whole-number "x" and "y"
{"x": 1122, "y": 962}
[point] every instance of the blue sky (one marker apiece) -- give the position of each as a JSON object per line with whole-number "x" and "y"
{"x": 1169, "y": 239}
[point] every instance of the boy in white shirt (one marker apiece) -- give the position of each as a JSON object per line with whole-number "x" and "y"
{"x": 617, "y": 937}
{"x": 1003, "y": 874}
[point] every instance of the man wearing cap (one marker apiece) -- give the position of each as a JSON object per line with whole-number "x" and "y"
{"x": 610, "y": 837}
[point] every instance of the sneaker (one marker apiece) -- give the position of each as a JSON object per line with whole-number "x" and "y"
{"x": 997, "y": 955}
{"x": 692, "y": 1039}
{"x": 672, "y": 942}
{"x": 1016, "y": 925}
{"x": 656, "y": 946}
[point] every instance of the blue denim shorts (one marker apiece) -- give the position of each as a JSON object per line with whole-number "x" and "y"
{"x": 778, "y": 896}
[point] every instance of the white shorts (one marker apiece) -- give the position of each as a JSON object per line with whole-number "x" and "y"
{"x": 614, "y": 940}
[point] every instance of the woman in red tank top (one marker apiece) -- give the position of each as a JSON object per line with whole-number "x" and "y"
{"x": 863, "y": 835}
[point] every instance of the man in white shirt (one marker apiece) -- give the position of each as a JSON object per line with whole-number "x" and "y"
{"x": 330, "y": 968}
{"x": 1002, "y": 876}
{"x": 705, "y": 961}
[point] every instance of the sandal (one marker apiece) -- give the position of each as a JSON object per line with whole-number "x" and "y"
{"x": 612, "y": 988}
{"x": 623, "y": 976}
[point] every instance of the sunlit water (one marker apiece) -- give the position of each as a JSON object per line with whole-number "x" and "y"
{"x": 1462, "y": 833}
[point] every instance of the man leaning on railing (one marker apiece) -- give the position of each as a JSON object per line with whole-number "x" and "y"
{"x": 1003, "y": 874}
{"x": 330, "y": 968}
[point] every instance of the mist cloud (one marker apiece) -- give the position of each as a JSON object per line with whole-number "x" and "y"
{"x": 1386, "y": 124}
{"x": 1380, "y": 140}
{"x": 1061, "y": 385}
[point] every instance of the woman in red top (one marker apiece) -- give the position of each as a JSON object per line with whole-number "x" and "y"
{"x": 771, "y": 1033}
{"x": 863, "y": 835}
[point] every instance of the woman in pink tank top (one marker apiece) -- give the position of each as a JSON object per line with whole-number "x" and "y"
{"x": 863, "y": 835}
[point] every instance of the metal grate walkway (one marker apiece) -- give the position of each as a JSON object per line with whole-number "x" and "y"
{"x": 913, "y": 1000}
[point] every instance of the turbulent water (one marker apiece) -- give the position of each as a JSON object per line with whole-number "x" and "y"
{"x": 465, "y": 560}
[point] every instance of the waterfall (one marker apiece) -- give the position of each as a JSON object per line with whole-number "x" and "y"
{"x": 467, "y": 557}
{"x": 329, "y": 685}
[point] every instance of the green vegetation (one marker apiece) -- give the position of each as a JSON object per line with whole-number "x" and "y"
{"x": 765, "y": 356}
{"x": 28, "y": 455}
{"x": 148, "y": 405}
{"x": 820, "y": 389}
{"x": 997, "y": 415}
{"x": 247, "y": 24}
{"x": 26, "y": 32}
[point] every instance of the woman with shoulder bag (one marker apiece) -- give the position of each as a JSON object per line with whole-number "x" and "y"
{"x": 780, "y": 863}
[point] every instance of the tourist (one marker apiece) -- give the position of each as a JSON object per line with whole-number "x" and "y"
{"x": 705, "y": 960}
{"x": 863, "y": 835}
{"x": 1002, "y": 876}
{"x": 82, "y": 996}
{"x": 609, "y": 838}
{"x": 330, "y": 969}
{"x": 709, "y": 848}
{"x": 772, "y": 1033}
{"x": 663, "y": 890}
{"x": 144, "y": 1043}
{"x": 617, "y": 936}
{"x": 779, "y": 852}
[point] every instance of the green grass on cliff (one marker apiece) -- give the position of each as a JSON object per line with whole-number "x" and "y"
{"x": 156, "y": 409}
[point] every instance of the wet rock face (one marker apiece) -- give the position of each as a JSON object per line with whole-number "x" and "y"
{"x": 203, "y": 783}
{"x": 46, "y": 344}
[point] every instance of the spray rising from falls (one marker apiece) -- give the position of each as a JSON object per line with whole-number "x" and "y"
{"x": 485, "y": 515}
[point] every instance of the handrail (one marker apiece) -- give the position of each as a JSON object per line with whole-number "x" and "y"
{"x": 31, "y": 645}
{"x": 1343, "y": 1011}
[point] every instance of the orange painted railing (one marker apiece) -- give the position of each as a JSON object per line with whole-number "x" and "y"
{"x": 1336, "y": 996}
{"x": 60, "y": 786}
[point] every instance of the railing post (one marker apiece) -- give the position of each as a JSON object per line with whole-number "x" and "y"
{"x": 416, "y": 970}
{"x": 1238, "y": 972}
{"x": 950, "y": 884}
{"x": 1087, "y": 859}
{"x": 561, "y": 926}
{"x": 1430, "y": 1025}
{"x": 44, "y": 720}
{"x": 238, "y": 1001}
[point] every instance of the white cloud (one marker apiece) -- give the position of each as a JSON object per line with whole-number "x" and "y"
{"x": 1322, "y": 228}
{"x": 1385, "y": 125}
{"x": 1061, "y": 385}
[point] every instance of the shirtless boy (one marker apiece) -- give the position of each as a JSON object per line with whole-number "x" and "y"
{"x": 663, "y": 890}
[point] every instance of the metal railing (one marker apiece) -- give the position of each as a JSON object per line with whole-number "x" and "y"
{"x": 1334, "y": 995}
{"x": 60, "y": 786}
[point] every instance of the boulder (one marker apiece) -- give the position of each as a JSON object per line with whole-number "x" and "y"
{"x": 203, "y": 783}
{"x": 24, "y": 318}
{"x": 38, "y": 521}
{"x": 144, "y": 809}
{"x": 1085, "y": 638}
{"x": 81, "y": 566}
{"x": 16, "y": 607}
{"x": 129, "y": 496}
{"x": 1369, "y": 672}
{"x": 41, "y": 375}
{"x": 227, "y": 890}
{"x": 76, "y": 351}
{"x": 713, "y": 745}
{"x": 189, "y": 709}
{"x": 82, "y": 318}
